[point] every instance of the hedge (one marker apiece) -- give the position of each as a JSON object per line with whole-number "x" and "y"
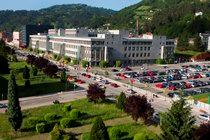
{"x": 115, "y": 133}
{"x": 51, "y": 117}
{"x": 75, "y": 114}
{"x": 66, "y": 108}
{"x": 32, "y": 121}
{"x": 67, "y": 122}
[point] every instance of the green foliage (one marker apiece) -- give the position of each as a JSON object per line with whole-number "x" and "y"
{"x": 75, "y": 114}
{"x": 121, "y": 101}
{"x": 118, "y": 63}
{"x": 115, "y": 134}
{"x": 178, "y": 123}
{"x": 67, "y": 108}
{"x": 14, "y": 111}
{"x": 34, "y": 71}
{"x": 42, "y": 127}
{"x": 85, "y": 136}
{"x": 67, "y": 122}
{"x": 55, "y": 56}
{"x": 51, "y": 117}
{"x": 160, "y": 61}
{"x": 84, "y": 63}
{"x": 95, "y": 93}
{"x": 56, "y": 133}
{"x": 58, "y": 58}
{"x": 63, "y": 76}
{"x": 68, "y": 59}
{"x": 103, "y": 64}
{"x": 198, "y": 45}
{"x": 4, "y": 87}
{"x": 4, "y": 65}
{"x": 99, "y": 130}
{"x": 144, "y": 136}
{"x": 26, "y": 76}
{"x": 75, "y": 61}
{"x": 31, "y": 122}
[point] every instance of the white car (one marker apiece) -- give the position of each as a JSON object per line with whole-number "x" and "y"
{"x": 204, "y": 117}
{"x": 130, "y": 91}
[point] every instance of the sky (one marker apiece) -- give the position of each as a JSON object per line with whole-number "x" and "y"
{"x": 38, "y": 4}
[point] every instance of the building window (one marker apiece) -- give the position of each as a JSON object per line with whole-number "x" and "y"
{"x": 137, "y": 55}
{"x": 141, "y": 55}
{"x": 133, "y": 55}
{"x": 145, "y": 54}
{"x": 133, "y": 49}
{"x": 148, "y": 48}
{"x": 137, "y": 49}
{"x": 125, "y": 48}
{"x": 145, "y": 48}
{"x": 129, "y": 48}
{"x": 141, "y": 48}
{"x": 125, "y": 55}
{"x": 129, "y": 55}
{"x": 148, "y": 55}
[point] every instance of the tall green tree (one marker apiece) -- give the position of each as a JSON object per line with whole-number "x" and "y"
{"x": 198, "y": 46}
{"x": 26, "y": 76}
{"x": 99, "y": 130}
{"x": 63, "y": 76}
{"x": 14, "y": 111}
{"x": 121, "y": 101}
{"x": 177, "y": 123}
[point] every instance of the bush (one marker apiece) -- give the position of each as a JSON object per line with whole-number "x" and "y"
{"x": 103, "y": 64}
{"x": 51, "y": 117}
{"x": 118, "y": 63}
{"x": 67, "y": 122}
{"x": 41, "y": 128}
{"x": 85, "y": 136}
{"x": 55, "y": 56}
{"x": 34, "y": 71}
{"x": 84, "y": 63}
{"x": 32, "y": 122}
{"x": 121, "y": 101}
{"x": 66, "y": 108}
{"x": 160, "y": 61}
{"x": 75, "y": 114}
{"x": 56, "y": 102}
{"x": 56, "y": 133}
{"x": 115, "y": 133}
{"x": 145, "y": 136}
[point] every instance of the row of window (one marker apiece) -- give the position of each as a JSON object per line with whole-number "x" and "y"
{"x": 137, "y": 48}
{"x": 137, "y": 43}
{"x": 137, "y": 55}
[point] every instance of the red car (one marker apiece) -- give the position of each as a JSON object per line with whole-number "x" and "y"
{"x": 159, "y": 85}
{"x": 172, "y": 87}
{"x": 88, "y": 75}
{"x": 114, "y": 85}
{"x": 128, "y": 69}
{"x": 79, "y": 81}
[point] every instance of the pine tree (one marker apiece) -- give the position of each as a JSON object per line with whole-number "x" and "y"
{"x": 99, "y": 130}
{"x": 177, "y": 123}
{"x": 121, "y": 101}
{"x": 26, "y": 76}
{"x": 63, "y": 76}
{"x": 14, "y": 110}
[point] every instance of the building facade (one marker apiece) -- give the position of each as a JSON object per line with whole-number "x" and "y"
{"x": 28, "y": 30}
{"x": 110, "y": 45}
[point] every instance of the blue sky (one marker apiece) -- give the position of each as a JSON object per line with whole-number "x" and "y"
{"x": 38, "y": 4}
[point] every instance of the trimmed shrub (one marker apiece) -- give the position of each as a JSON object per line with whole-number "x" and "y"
{"x": 85, "y": 136}
{"x": 115, "y": 133}
{"x": 31, "y": 122}
{"x": 51, "y": 117}
{"x": 67, "y": 122}
{"x": 56, "y": 133}
{"x": 75, "y": 114}
{"x": 34, "y": 71}
{"x": 66, "y": 108}
{"x": 145, "y": 136}
{"x": 67, "y": 137}
{"x": 41, "y": 127}
{"x": 121, "y": 101}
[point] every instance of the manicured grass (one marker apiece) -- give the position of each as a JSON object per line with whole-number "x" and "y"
{"x": 110, "y": 114}
{"x": 38, "y": 83}
{"x": 188, "y": 53}
{"x": 202, "y": 97}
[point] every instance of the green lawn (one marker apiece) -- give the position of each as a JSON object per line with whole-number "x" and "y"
{"x": 188, "y": 53}
{"x": 38, "y": 83}
{"x": 202, "y": 97}
{"x": 110, "y": 114}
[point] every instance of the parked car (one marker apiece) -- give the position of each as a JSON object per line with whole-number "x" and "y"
{"x": 114, "y": 85}
{"x": 130, "y": 91}
{"x": 3, "y": 105}
{"x": 204, "y": 117}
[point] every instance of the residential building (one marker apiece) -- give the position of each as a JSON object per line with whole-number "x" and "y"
{"x": 28, "y": 30}
{"x": 16, "y": 39}
{"x": 109, "y": 45}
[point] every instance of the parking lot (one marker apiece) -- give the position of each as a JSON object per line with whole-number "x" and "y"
{"x": 191, "y": 79}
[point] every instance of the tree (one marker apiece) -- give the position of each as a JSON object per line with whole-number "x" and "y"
{"x": 26, "y": 76}
{"x": 103, "y": 64}
{"x": 14, "y": 111}
{"x": 198, "y": 46}
{"x": 50, "y": 70}
{"x": 118, "y": 63}
{"x": 4, "y": 65}
{"x": 121, "y": 101}
{"x": 31, "y": 59}
{"x": 74, "y": 61}
{"x": 203, "y": 132}
{"x": 95, "y": 93}
{"x": 138, "y": 107}
{"x": 63, "y": 76}
{"x": 34, "y": 71}
{"x": 84, "y": 63}
{"x": 160, "y": 61}
{"x": 177, "y": 123}
{"x": 99, "y": 130}
{"x": 182, "y": 43}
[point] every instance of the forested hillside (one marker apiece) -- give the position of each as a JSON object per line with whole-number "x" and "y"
{"x": 66, "y": 16}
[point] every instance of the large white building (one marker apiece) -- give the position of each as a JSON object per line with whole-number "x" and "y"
{"x": 110, "y": 45}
